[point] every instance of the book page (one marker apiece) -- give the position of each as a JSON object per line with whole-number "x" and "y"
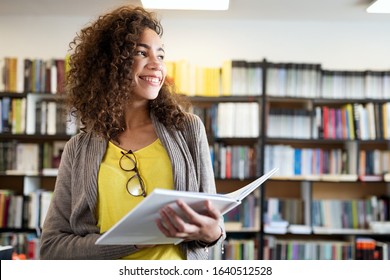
{"x": 241, "y": 193}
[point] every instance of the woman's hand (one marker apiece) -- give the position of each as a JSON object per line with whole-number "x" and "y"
{"x": 196, "y": 226}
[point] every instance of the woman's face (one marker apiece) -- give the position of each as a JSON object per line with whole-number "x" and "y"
{"x": 149, "y": 68}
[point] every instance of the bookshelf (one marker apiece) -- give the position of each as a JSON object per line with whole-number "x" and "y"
{"x": 33, "y": 131}
{"x": 327, "y": 131}
{"x": 232, "y": 117}
{"x": 29, "y": 158}
{"x": 331, "y": 138}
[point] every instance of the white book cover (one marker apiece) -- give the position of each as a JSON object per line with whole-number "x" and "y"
{"x": 254, "y": 119}
{"x": 139, "y": 225}
{"x": 43, "y": 120}
{"x": 241, "y": 120}
{"x": 31, "y": 106}
{"x": 371, "y": 121}
{"x": 27, "y": 157}
{"x": 225, "y": 119}
{"x": 18, "y": 208}
{"x": 271, "y": 83}
{"x": 53, "y": 77}
{"x": 51, "y": 118}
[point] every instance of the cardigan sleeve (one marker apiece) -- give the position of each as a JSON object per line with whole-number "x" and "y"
{"x": 196, "y": 137}
{"x": 62, "y": 239}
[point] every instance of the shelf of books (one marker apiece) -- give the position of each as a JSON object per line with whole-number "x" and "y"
{"x": 34, "y": 128}
{"x": 229, "y": 102}
{"x": 327, "y": 131}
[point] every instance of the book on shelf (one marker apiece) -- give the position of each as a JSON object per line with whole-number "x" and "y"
{"x": 5, "y": 117}
{"x": 239, "y": 249}
{"x": 233, "y": 226}
{"x": 238, "y": 120}
{"x": 381, "y": 250}
{"x": 16, "y": 115}
{"x": 139, "y": 226}
{"x": 369, "y": 249}
{"x": 5, "y": 197}
{"x": 386, "y": 177}
{"x": 239, "y": 77}
{"x": 339, "y": 177}
{"x": 50, "y": 171}
{"x": 15, "y": 218}
{"x": 2, "y": 73}
{"x": 226, "y": 78}
{"x": 348, "y": 215}
{"x": 382, "y": 227}
{"x": 334, "y": 123}
{"x": 293, "y": 80}
{"x": 245, "y": 217}
{"x": 276, "y": 227}
{"x": 32, "y": 75}
{"x": 11, "y": 65}
{"x": 326, "y": 230}
{"x": 299, "y": 229}
{"x": 233, "y": 161}
{"x": 27, "y": 157}
{"x": 283, "y": 249}
{"x": 371, "y": 178}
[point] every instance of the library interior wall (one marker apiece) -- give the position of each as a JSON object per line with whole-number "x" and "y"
{"x": 336, "y": 45}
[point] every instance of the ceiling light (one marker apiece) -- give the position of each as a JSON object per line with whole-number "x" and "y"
{"x": 380, "y": 7}
{"x": 186, "y": 4}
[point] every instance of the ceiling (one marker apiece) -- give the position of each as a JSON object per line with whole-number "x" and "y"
{"x": 313, "y": 10}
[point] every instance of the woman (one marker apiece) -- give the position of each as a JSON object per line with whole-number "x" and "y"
{"x": 135, "y": 137}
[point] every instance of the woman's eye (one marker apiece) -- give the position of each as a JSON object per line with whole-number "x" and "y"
{"x": 161, "y": 57}
{"x": 140, "y": 53}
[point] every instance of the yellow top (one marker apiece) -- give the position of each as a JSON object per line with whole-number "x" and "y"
{"x": 114, "y": 201}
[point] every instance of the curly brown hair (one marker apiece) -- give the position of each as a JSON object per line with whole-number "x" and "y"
{"x": 99, "y": 82}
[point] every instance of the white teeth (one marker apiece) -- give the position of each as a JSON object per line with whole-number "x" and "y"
{"x": 151, "y": 79}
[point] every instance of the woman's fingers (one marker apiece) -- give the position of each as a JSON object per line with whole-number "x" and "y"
{"x": 189, "y": 224}
{"x": 198, "y": 218}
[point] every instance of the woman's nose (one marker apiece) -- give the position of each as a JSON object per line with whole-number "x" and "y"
{"x": 155, "y": 65}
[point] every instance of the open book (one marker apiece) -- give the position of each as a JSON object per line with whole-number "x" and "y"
{"x": 139, "y": 225}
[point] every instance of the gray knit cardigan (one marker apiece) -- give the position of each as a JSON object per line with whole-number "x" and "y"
{"x": 70, "y": 229}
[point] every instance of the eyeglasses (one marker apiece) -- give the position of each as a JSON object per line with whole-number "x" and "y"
{"x": 134, "y": 186}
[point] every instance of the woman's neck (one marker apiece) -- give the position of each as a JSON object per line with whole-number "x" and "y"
{"x": 139, "y": 130}
{"x": 136, "y": 116}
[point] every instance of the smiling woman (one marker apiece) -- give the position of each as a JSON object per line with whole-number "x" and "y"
{"x": 149, "y": 70}
{"x": 101, "y": 74}
{"x": 135, "y": 137}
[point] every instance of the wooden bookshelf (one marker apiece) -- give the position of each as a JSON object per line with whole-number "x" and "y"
{"x": 28, "y": 151}
{"x": 292, "y": 97}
